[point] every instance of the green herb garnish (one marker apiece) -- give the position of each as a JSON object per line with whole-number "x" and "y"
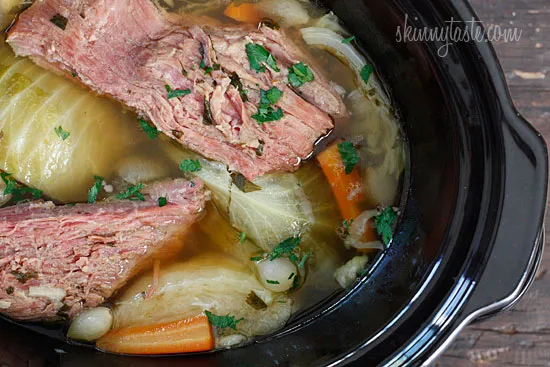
{"x": 349, "y": 156}
{"x": 94, "y": 190}
{"x": 177, "y": 92}
{"x": 162, "y": 201}
{"x": 272, "y": 281}
{"x": 190, "y": 165}
{"x": 285, "y": 247}
{"x": 384, "y": 224}
{"x": 151, "y": 131}
{"x": 304, "y": 259}
{"x": 60, "y": 21}
{"x": 299, "y": 73}
{"x": 347, "y": 226}
{"x": 348, "y": 40}
{"x": 266, "y": 113}
{"x": 10, "y": 290}
{"x": 222, "y": 322}
{"x": 257, "y": 258}
{"x": 132, "y": 193}
{"x": 290, "y": 276}
{"x": 242, "y": 237}
{"x": 366, "y": 72}
{"x": 16, "y": 190}
{"x": 24, "y": 277}
{"x": 258, "y": 57}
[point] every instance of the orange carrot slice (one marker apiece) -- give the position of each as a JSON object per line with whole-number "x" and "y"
{"x": 244, "y": 13}
{"x": 183, "y": 336}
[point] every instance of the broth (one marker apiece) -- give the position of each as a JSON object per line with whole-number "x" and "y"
{"x": 223, "y": 232}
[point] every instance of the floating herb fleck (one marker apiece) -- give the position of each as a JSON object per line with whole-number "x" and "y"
{"x": 349, "y": 39}
{"x": 162, "y": 201}
{"x": 10, "y": 290}
{"x": 304, "y": 259}
{"x": 272, "y": 281}
{"x": 151, "y": 131}
{"x": 222, "y": 322}
{"x": 366, "y": 72}
{"x": 236, "y": 82}
{"x": 285, "y": 247}
{"x": 132, "y": 193}
{"x": 242, "y": 237}
{"x": 384, "y": 224}
{"x": 349, "y": 156}
{"x": 94, "y": 190}
{"x": 16, "y": 190}
{"x": 190, "y": 165}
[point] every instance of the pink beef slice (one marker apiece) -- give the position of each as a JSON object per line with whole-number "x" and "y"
{"x": 57, "y": 260}
{"x": 131, "y": 50}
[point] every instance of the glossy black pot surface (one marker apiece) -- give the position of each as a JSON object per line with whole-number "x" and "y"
{"x": 470, "y": 237}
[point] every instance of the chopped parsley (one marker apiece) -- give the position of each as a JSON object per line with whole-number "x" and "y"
{"x": 272, "y": 281}
{"x": 132, "y": 193}
{"x": 349, "y": 156}
{"x": 190, "y": 165}
{"x": 151, "y": 131}
{"x": 10, "y": 290}
{"x": 304, "y": 259}
{"x": 63, "y": 135}
{"x": 347, "y": 226}
{"x": 209, "y": 69}
{"x": 60, "y": 21}
{"x": 266, "y": 113}
{"x": 94, "y": 190}
{"x": 299, "y": 74}
{"x": 242, "y": 237}
{"x": 176, "y": 93}
{"x": 349, "y": 39}
{"x": 16, "y": 190}
{"x": 243, "y": 184}
{"x": 162, "y": 201}
{"x": 291, "y": 275}
{"x": 366, "y": 72}
{"x": 285, "y": 247}
{"x": 258, "y": 57}
{"x": 257, "y": 258}
{"x": 222, "y": 322}
{"x": 384, "y": 224}
{"x": 236, "y": 82}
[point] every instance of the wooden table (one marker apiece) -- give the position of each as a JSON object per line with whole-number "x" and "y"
{"x": 521, "y": 336}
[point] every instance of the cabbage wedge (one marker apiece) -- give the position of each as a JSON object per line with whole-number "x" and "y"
{"x": 37, "y": 111}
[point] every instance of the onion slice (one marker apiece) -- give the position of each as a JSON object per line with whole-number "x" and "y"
{"x": 333, "y": 42}
{"x": 357, "y": 230}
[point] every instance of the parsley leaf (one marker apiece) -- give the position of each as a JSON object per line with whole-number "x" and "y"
{"x": 257, "y": 258}
{"x": 366, "y": 72}
{"x": 190, "y": 165}
{"x": 272, "y": 281}
{"x": 299, "y": 73}
{"x": 258, "y": 57}
{"x": 15, "y": 189}
{"x": 285, "y": 247}
{"x": 151, "y": 131}
{"x": 242, "y": 237}
{"x": 63, "y": 135}
{"x": 222, "y": 322}
{"x": 94, "y": 190}
{"x": 236, "y": 82}
{"x": 348, "y": 40}
{"x": 349, "y": 156}
{"x": 177, "y": 92}
{"x": 304, "y": 259}
{"x": 162, "y": 201}
{"x": 266, "y": 113}
{"x": 384, "y": 224}
{"x": 132, "y": 193}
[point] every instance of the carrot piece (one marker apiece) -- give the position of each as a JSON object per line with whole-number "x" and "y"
{"x": 244, "y": 13}
{"x": 183, "y": 336}
{"x": 347, "y": 189}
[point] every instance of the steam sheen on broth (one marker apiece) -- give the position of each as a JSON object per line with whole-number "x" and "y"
{"x": 262, "y": 251}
